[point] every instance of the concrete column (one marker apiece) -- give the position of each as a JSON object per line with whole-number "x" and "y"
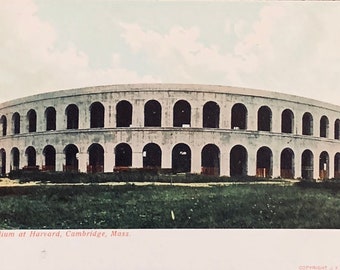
{"x": 83, "y": 161}
{"x": 137, "y": 159}
{"x": 60, "y": 161}
{"x": 40, "y": 158}
{"x": 316, "y": 125}
{"x": 167, "y": 113}
{"x": 297, "y": 123}
{"x": 316, "y": 171}
{"x": 331, "y": 166}
{"x": 60, "y": 118}
{"x": 110, "y": 116}
{"x": 276, "y": 164}
{"x": 224, "y": 116}
{"x": 297, "y": 165}
{"x": 196, "y": 160}
{"x": 113, "y": 114}
{"x": 8, "y": 161}
{"x": 331, "y": 129}
{"x": 196, "y": 116}
{"x": 23, "y": 159}
{"x": 84, "y": 116}
{"x": 276, "y": 120}
{"x": 251, "y": 162}
{"x": 252, "y": 118}
{"x": 41, "y": 119}
{"x": 109, "y": 158}
{"x": 166, "y": 158}
{"x": 138, "y": 113}
{"x": 224, "y": 161}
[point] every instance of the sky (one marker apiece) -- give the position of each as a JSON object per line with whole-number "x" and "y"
{"x": 282, "y": 46}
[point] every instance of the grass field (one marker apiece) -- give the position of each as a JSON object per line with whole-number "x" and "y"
{"x": 130, "y": 206}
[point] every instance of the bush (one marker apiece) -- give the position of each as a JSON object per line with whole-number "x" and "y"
{"x": 132, "y": 175}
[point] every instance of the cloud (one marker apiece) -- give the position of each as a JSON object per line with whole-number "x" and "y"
{"x": 180, "y": 54}
{"x": 276, "y": 46}
{"x": 31, "y": 62}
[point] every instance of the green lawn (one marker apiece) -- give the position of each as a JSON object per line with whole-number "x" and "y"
{"x": 130, "y": 206}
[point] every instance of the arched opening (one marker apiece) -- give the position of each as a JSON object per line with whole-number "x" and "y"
{"x": 31, "y": 156}
{"x": 3, "y": 162}
{"x": 32, "y": 121}
{"x": 182, "y": 114}
{"x": 264, "y": 162}
{"x": 287, "y": 164}
{"x": 324, "y": 125}
{"x": 152, "y": 156}
{"x": 50, "y": 116}
{"x": 71, "y": 158}
{"x": 50, "y": 158}
{"x": 15, "y": 159}
{"x": 264, "y": 119}
{"x": 337, "y": 129}
{"x": 16, "y": 123}
{"x": 239, "y": 116}
{"x": 123, "y": 155}
{"x": 211, "y": 115}
{"x": 287, "y": 121}
{"x": 324, "y": 165}
{"x": 181, "y": 158}
{"x": 123, "y": 114}
{"x": 307, "y": 165}
{"x": 152, "y": 114}
{"x": 238, "y": 161}
{"x": 3, "y": 122}
{"x": 97, "y": 115}
{"x": 337, "y": 166}
{"x": 96, "y": 158}
{"x": 307, "y": 124}
{"x": 210, "y": 160}
{"x": 72, "y": 116}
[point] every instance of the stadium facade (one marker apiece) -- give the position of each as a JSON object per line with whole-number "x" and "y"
{"x": 215, "y": 130}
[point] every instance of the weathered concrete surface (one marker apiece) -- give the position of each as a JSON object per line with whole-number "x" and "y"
{"x": 166, "y": 136}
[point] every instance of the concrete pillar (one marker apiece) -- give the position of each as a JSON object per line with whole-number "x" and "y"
{"x": 8, "y": 161}
{"x": 316, "y": 171}
{"x": 196, "y": 116}
{"x": 60, "y": 118}
{"x": 167, "y": 113}
{"x": 40, "y": 158}
{"x": 138, "y": 113}
{"x": 224, "y": 161}
{"x": 112, "y": 116}
{"x": 83, "y": 161}
{"x": 137, "y": 159}
{"x": 331, "y": 129}
{"x": 252, "y": 118}
{"x": 107, "y": 116}
{"x": 84, "y": 116}
{"x": 331, "y": 166}
{"x": 316, "y": 125}
{"x": 251, "y": 162}
{"x": 276, "y": 164}
{"x": 166, "y": 158}
{"x": 297, "y": 165}
{"x": 41, "y": 120}
{"x": 298, "y": 123}
{"x": 224, "y": 116}
{"x": 60, "y": 161}
{"x": 196, "y": 160}
{"x": 276, "y": 120}
{"x": 109, "y": 158}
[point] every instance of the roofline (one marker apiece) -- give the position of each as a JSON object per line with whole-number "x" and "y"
{"x": 173, "y": 87}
